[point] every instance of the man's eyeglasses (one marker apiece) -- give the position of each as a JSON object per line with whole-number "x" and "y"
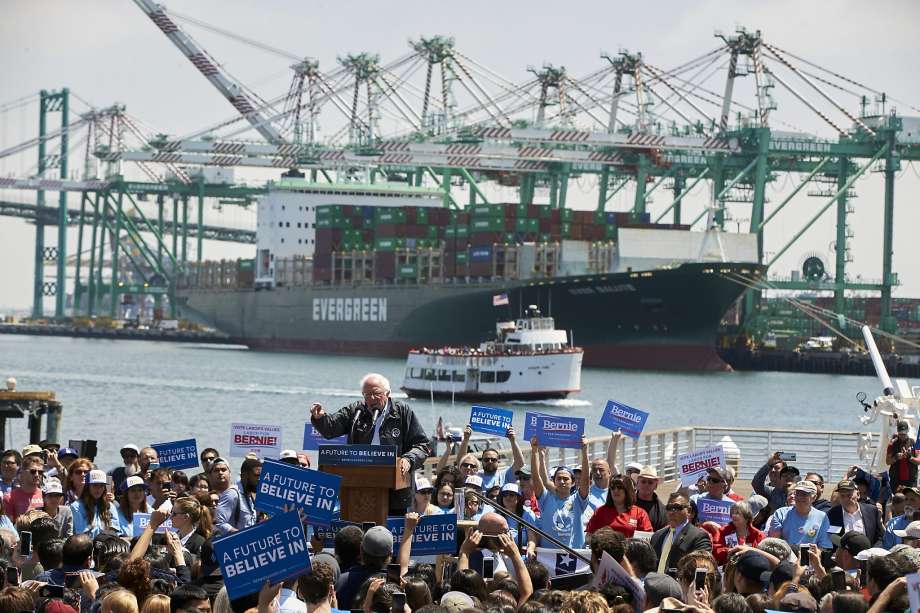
{"x": 675, "y": 507}
{"x": 490, "y": 460}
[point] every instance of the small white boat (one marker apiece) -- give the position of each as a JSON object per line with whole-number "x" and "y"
{"x": 529, "y": 359}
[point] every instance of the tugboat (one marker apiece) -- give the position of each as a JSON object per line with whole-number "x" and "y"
{"x": 528, "y": 360}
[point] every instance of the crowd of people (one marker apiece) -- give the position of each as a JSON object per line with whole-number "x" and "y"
{"x": 71, "y": 539}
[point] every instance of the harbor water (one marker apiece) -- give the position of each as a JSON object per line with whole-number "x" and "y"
{"x": 147, "y": 392}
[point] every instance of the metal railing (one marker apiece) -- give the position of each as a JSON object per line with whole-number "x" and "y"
{"x": 829, "y": 453}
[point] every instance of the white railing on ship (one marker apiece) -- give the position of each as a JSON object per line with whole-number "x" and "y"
{"x": 829, "y": 453}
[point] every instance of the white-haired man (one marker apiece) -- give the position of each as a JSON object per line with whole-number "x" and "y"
{"x": 379, "y": 420}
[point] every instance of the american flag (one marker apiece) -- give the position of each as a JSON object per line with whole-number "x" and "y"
{"x": 500, "y": 300}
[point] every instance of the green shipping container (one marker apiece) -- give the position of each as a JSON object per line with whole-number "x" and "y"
{"x": 566, "y": 214}
{"x": 461, "y": 257}
{"x": 488, "y": 224}
{"x": 408, "y": 271}
{"x": 384, "y": 216}
{"x": 463, "y": 231}
{"x": 385, "y": 244}
{"x": 431, "y": 232}
{"x": 247, "y": 264}
{"x": 421, "y": 216}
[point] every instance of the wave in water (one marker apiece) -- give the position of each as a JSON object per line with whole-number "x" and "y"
{"x": 249, "y": 388}
{"x": 555, "y": 402}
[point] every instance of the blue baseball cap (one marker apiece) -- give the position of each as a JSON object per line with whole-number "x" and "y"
{"x": 563, "y": 467}
{"x": 68, "y": 451}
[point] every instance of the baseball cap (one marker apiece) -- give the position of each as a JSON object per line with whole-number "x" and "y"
{"x": 911, "y": 531}
{"x": 799, "y": 602}
{"x": 52, "y": 486}
{"x": 64, "y": 452}
{"x": 130, "y": 446}
{"x": 846, "y": 484}
{"x": 96, "y": 477}
{"x": 58, "y": 606}
{"x": 659, "y": 586}
{"x": 473, "y": 481}
{"x": 455, "y": 602}
{"x": 853, "y": 542}
{"x": 30, "y": 449}
{"x": 215, "y": 462}
{"x": 721, "y": 473}
{"x": 289, "y": 456}
{"x": 133, "y": 481}
{"x": 903, "y": 426}
{"x": 909, "y": 488}
{"x": 377, "y": 542}
{"x": 328, "y": 558}
{"x": 784, "y": 571}
{"x": 872, "y": 552}
{"x": 753, "y": 566}
{"x": 556, "y": 470}
{"x": 523, "y": 471}
{"x": 511, "y": 487}
{"x": 422, "y": 484}
{"x": 649, "y": 472}
{"x": 757, "y": 503}
{"x": 806, "y": 486}
{"x": 636, "y": 466}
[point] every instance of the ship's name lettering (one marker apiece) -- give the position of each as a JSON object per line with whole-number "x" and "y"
{"x": 349, "y": 309}
{"x": 602, "y": 289}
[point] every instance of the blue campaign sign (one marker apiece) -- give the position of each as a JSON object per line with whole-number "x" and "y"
{"x": 327, "y": 534}
{"x": 557, "y": 431}
{"x": 178, "y": 454}
{"x": 272, "y": 551}
{"x": 490, "y": 420}
{"x": 357, "y": 455}
{"x": 531, "y": 420}
{"x": 140, "y": 521}
{"x": 718, "y": 511}
{"x": 629, "y": 421}
{"x": 433, "y": 535}
{"x": 282, "y": 486}
{"x": 312, "y": 439}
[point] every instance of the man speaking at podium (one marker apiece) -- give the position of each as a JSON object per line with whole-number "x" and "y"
{"x": 379, "y": 420}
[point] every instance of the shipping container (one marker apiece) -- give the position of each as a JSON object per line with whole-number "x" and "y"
{"x": 480, "y": 254}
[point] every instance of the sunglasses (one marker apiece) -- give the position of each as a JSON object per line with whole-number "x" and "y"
{"x": 468, "y": 465}
{"x": 490, "y": 459}
{"x": 714, "y": 480}
{"x": 675, "y": 507}
{"x": 36, "y": 471}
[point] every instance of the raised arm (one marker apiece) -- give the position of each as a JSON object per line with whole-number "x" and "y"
{"x": 330, "y": 426}
{"x": 442, "y": 461}
{"x": 516, "y": 453}
{"x": 143, "y": 541}
{"x": 613, "y": 447}
{"x": 405, "y": 547}
{"x": 465, "y": 442}
{"x": 537, "y": 473}
{"x": 584, "y": 481}
{"x": 759, "y": 481}
{"x": 520, "y": 570}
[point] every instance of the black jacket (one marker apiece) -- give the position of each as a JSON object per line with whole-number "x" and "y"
{"x": 872, "y": 521}
{"x": 655, "y": 510}
{"x": 399, "y": 427}
{"x": 690, "y": 539}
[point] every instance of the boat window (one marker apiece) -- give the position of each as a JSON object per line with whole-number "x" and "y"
{"x": 459, "y": 376}
{"x": 487, "y": 376}
{"x": 502, "y": 376}
{"x": 428, "y": 374}
{"x": 443, "y": 375}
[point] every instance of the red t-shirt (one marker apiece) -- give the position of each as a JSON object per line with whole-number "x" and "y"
{"x": 625, "y": 523}
{"x": 17, "y": 501}
{"x": 901, "y": 469}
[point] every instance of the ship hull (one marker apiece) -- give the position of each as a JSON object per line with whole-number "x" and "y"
{"x": 657, "y": 320}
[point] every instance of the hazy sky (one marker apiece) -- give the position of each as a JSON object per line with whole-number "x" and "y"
{"x": 108, "y": 51}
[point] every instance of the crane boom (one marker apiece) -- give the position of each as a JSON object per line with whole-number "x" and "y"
{"x": 231, "y": 90}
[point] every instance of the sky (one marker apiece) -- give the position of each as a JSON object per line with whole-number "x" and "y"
{"x": 108, "y": 51}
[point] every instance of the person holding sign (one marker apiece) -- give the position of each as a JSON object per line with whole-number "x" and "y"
{"x": 739, "y": 531}
{"x": 133, "y": 500}
{"x": 620, "y": 512}
{"x": 561, "y": 509}
{"x": 379, "y": 420}
{"x": 94, "y": 512}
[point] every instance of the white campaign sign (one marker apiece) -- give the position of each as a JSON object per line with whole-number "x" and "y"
{"x": 913, "y": 591}
{"x": 261, "y": 439}
{"x": 610, "y": 571}
{"x": 694, "y": 464}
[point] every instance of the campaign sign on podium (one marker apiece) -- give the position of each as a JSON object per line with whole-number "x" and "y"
{"x": 369, "y": 473}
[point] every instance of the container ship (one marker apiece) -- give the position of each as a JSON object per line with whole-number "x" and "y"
{"x": 379, "y": 269}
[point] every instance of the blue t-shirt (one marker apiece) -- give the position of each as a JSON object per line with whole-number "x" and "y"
{"x": 499, "y": 478}
{"x": 895, "y": 523}
{"x": 520, "y": 536}
{"x": 796, "y": 529}
{"x": 562, "y": 517}
{"x": 597, "y": 496}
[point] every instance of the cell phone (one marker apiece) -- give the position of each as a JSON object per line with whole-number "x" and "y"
{"x": 153, "y": 466}
{"x": 393, "y": 573}
{"x": 488, "y": 568}
{"x": 489, "y": 542}
{"x": 803, "y": 555}
{"x": 25, "y": 543}
{"x": 399, "y": 602}
{"x": 110, "y": 485}
{"x": 786, "y": 457}
{"x": 51, "y": 591}
{"x": 45, "y": 456}
{"x": 71, "y": 579}
{"x": 840, "y": 579}
{"x": 367, "y": 525}
{"x": 699, "y": 578}
{"x": 166, "y": 486}
{"x": 12, "y": 575}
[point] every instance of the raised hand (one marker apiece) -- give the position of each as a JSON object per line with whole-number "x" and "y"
{"x": 316, "y": 412}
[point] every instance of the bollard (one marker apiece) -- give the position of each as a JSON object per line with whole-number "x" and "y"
{"x": 53, "y": 422}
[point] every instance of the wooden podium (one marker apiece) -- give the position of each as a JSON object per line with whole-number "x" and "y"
{"x": 369, "y": 473}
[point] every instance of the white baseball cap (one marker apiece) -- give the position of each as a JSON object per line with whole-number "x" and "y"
{"x": 911, "y": 531}
{"x": 97, "y": 477}
{"x": 133, "y": 481}
{"x": 473, "y": 481}
{"x": 52, "y": 486}
{"x": 511, "y": 487}
{"x": 130, "y": 446}
{"x": 288, "y": 454}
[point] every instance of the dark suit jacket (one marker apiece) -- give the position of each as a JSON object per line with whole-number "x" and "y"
{"x": 689, "y": 539}
{"x": 872, "y": 521}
